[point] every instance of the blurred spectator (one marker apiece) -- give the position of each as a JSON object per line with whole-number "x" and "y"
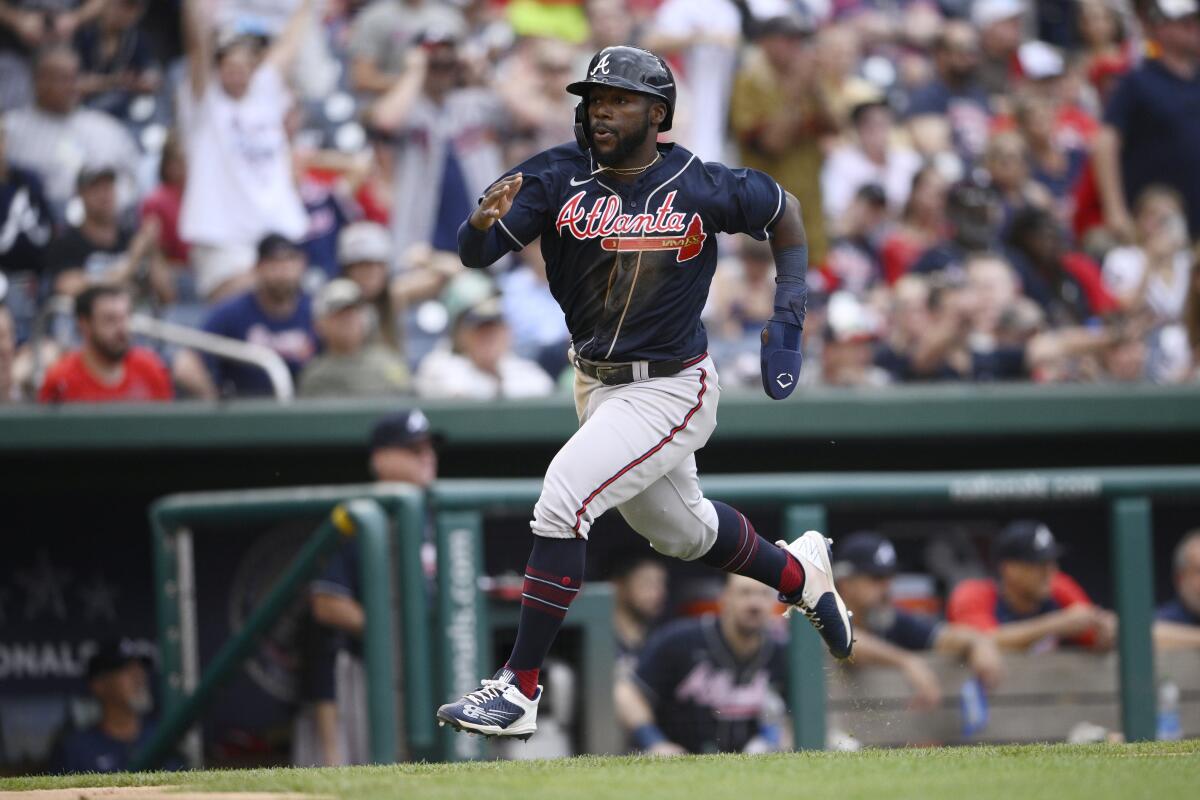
{"x": 275, "y": 313}
{"x": 639, "y": 597}
{"x": 447, "y": 144}
{"x": 1032, "y": 606}
{"x": 106, "y": 368}
{"x": 1053, "y": 163}
{"x": 1105, "y": 43}
{"x": 1066, "y": 284}
{"x": 479, "y": 363}
{"x": 872, "y": 158}
{"x": 331, "y": 727}
{"x": 233, "y": 110}
{"x": 532, "y": 87}
{"x": 115, "y": 58}
{"x": 99, "y": 249}
{"x": 26, "y": 225}
{"x": 702, "y": 36}
{"x": 539, "y": 330}
{"x": 1000, "y": 26}
{"x": 328, "y": 216}
{"x": 864, "y": 566}
{"x": 347, "y": 365}
{"x": 56, "y": 138}
{"x": 117, "y": 678}
{"x": 1153, "y": 274}
{"x": 853, "y": 262}
{"x": 1006, "y": 160}
{"x": 743, "y": 292}
{"x": 162, "y": 206}
{"x": 778, "y": 114}
{"x": 384, "y": 32}
{"x": 852, "y": 330}
{"x": 704, "y": 685}
{"x": 29, "y": 25}
{"x": 973, "y": 215}
{"x": 1191, "y": 314}
{"x": 1177, "y": 623}
{"x": 839, "y": 56}
{"x": 364, "y": 254}
{"x": 10, "y": 389}
{"x": 954, "y": 98}
{"x": 373, "y": 188}
{"x": 922, "y": 224}
{"x": 1151, "y": 132}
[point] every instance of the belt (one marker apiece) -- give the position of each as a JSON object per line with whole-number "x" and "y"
{"x": 617, "y": 374}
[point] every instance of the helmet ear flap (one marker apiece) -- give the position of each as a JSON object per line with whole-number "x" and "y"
{"x": 583, "y": 136}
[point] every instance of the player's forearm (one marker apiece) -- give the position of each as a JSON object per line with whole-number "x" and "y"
{"x": 1174, "y": 636}
{"x": 478, "y": 249}
{"x": 870, "y": 650}
{"x": 391, "y": 111}
{"x": 287, "y": 46}
{"x": 1022, "y": 635}
{"x": 632, "y": 709}
{"x": 956, "y": 640}
{"x": 369, "y": 78}
{"x": 335, "y": 611}
{"x": 197, "y": 32}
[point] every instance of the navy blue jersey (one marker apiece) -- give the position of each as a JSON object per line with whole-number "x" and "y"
{"x": 704, "y": 699}
{"x": 630, "y": 263}
{"x": 1176, "y": 611}
{"x": 906, "y": 630}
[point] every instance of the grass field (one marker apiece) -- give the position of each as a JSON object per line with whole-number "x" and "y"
{"x": 1159, "y": 771}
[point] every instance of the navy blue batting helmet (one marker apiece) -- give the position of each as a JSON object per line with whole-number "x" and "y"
{"x": 629, "y": 68}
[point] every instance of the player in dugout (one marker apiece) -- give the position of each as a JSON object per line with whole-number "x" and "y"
{"x": 864, "y": 566}
{"x": 628, "y": 229}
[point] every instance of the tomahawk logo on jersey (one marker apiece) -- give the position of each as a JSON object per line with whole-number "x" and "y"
{"x": 631, "y": 263}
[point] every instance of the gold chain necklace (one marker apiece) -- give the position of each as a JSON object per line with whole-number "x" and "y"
{"x": 629, "y": 170}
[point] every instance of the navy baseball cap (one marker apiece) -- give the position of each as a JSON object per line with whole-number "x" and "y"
{"x": 1027, "y": 540}
{"x": 402, "y": 429}
{"x": 111, "y": 656}
{"x": 864, "y": 553}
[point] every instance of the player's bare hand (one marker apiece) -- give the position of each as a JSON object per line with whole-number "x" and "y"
{"x": 985, "y": 661}
{"x": 666, "y": 749}
{"x": 496, "y": 202}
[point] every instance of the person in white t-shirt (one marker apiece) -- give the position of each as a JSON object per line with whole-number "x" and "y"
{"x": 479, "y": 363}
{"x": 232, "y": 114}
{"x": 873, "y": 158}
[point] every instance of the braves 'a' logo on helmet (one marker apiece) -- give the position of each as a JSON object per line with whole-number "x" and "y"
{"x": 601, "y": 66}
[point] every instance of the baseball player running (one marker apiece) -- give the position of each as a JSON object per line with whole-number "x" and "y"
{"x": 628, "y": 230}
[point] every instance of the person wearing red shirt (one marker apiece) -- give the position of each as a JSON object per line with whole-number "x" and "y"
{"x": 1032, "y": 606}
{"x": 106, "y": 368}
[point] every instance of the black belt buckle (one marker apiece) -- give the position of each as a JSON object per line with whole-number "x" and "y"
{"x": 609, "y": 375}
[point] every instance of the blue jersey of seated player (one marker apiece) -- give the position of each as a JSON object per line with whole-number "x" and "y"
{"x": 630, "y": 263}
{"x": 704, "y": 699}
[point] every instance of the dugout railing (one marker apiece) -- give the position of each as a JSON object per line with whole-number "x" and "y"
{"x": 446, "y": 645}
{"x": 460, "y": 507}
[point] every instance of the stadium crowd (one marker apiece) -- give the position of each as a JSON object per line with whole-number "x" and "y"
{"x": 992, "y": 190}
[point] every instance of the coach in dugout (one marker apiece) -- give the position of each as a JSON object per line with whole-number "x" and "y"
{"x": 331, "y": 727}
{"x": 1031, "y": 606}
{"x": 864, "y": 566}
{"x": 710, "y": 684}
{"x": 1177, "y": 623}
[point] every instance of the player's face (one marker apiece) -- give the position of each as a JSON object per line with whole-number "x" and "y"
{"x": 643, "y": 592}
{"x": 1028, "y": 580}
{"x": 416, "y": 463}
{"x": 108, "y": 328}
{"x": 748, "y": 605}
{"x": 620, "y": 121}
{"x": 1187, "y": 579}
{"x": 864, "y": 593}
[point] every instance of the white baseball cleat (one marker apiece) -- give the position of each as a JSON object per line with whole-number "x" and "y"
{"x": 819, "y": 600}
{"x": 497, "y": 708}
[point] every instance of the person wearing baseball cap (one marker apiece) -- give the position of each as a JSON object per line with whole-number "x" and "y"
{"x": 330, "y": 727}
{"x": 364, "y": 255}
{"x": 117, "y": 678}
{"x": 1031, "y": 605}
{"x": 864, "y": 565}
{"x": 348, "y": 365}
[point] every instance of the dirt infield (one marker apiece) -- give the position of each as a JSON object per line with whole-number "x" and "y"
{"x": 147, "y": 793}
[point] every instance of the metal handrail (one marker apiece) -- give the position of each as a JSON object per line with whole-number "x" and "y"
{"x": 257, "y": 355}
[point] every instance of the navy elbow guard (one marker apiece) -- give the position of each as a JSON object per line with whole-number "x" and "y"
{"x": 780, "y": 354}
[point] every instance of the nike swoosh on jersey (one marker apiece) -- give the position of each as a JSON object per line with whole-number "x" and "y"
{"x": 580, "y": 183}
